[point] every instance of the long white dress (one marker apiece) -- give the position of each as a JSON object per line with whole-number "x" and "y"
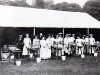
{"x": 27, "y": 42}
{"x": 43, "y": 49}
{"x": 49, "y": 44}
{"x": 66, "y": 41}
{"x": 92, "y": 42}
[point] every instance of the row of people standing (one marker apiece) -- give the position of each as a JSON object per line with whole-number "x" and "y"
{"x": 81, "y": 43}
{"x": 45, "y": 44}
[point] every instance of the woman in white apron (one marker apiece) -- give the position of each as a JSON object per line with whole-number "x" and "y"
{"x": 65, "y": 45}
{"x": 49, "y": 44}
{"x": 36, "y": 45}
{"x": 27, "y": 45}
{"x": 79, "y": 46}
{"x": 60, "y": 44}
{"x": 68, "y": 43}
{"x": 43, "y": 49}
{"x": 92, "y": 42}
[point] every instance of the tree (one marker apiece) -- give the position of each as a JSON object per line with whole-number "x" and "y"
{"x": 60, "y": 6}
{"x": 1, "y": 3}
{"x": 74, "y": 7}
{"x": 67, "y": 7}
{"x": 92, "y": 7}
{"x": 40, "y": 4}
{"x": 11, "y": 3}
{"x": 44, "y": 3}
{"x": 22, "y": 4}
{"x": 48, "y": 3}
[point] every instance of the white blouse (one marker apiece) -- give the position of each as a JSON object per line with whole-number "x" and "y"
{"x": 91, "y": 41}
{"x": 79, "y": 42}
{"x": 27, "y": 42}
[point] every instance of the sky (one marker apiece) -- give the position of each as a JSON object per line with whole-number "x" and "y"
{"x": 80, "y": 2}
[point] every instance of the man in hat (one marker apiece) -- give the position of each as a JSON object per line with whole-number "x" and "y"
{"x": 19, "y": 43}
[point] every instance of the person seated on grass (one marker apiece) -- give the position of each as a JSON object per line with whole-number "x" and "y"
{"x": 5, "y": 52}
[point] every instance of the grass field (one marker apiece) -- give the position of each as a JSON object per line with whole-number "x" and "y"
{"x": 90, "y": 65}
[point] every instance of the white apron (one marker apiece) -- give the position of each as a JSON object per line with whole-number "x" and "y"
{"x": 49, "y": 44}
{"x": 43, "y": 50}
{"x": 27, "y": 42}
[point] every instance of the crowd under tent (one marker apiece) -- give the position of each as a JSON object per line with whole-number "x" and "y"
{"x": 19, "y": 17}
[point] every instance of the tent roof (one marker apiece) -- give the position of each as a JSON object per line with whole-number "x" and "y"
{"x": 30, "y": 17}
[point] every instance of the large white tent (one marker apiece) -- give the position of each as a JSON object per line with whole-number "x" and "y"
{"x": 30, "y": 17}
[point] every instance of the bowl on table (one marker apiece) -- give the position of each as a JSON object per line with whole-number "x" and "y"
{"x": 12, "y": 48}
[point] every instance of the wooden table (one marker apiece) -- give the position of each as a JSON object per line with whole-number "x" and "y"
{"x": 35, "y": 50}
{"x": 56, "y": 49}
{"x": 16, "y": 51}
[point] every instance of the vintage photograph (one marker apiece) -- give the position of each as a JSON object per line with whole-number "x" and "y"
{"x": 49, "y": 37}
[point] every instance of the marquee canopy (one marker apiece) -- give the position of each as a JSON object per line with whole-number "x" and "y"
{"x": 31, "y": 17}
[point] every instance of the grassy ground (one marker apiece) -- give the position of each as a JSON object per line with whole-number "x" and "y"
{"x": 90, "y": 65}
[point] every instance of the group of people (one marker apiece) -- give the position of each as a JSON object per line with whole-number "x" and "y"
{"x": 66, "y": 44}
{"x": 81, "y": 44}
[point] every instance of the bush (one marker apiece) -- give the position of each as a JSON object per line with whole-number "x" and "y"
{"x": 11, "y": 3}
{"x": 67, "y": 7}
{"x": 22, "y": 4}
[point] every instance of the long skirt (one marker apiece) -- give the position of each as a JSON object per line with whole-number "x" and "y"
{"x": 25, "y": 51}
{"x": 43, "y": 53}
{"x": 49, "y": 52}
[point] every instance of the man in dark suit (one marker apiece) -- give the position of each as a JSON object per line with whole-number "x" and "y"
{"x": 19, "y": 43}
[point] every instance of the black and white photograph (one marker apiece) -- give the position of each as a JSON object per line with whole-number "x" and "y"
{"x": 49, "y": 37}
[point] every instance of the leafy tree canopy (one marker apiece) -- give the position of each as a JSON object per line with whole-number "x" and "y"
{"x": 67, "y": 7}
{"x": 93, "y": 8}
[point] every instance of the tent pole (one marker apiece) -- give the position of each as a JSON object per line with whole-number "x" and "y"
{"x": 63, "y": 32}
{"x": 88, "y": 31}
{"x": 33, "y": 31}
{"x": 63, "y": 35}
{"x": 63, "y": 40}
